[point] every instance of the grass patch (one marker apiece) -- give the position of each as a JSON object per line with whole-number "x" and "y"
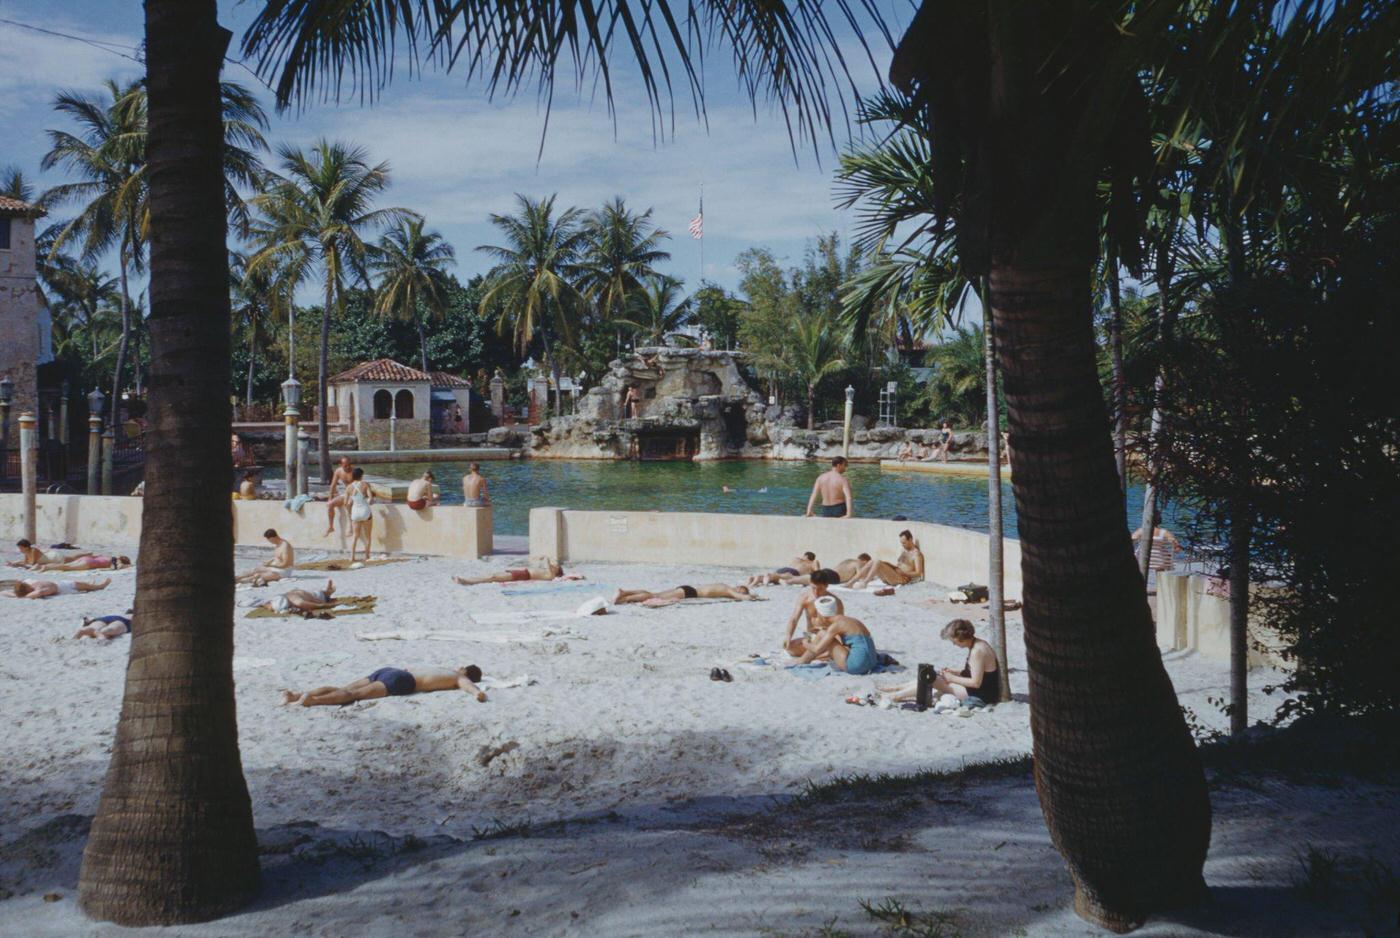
{"x": 499, "y": 830}
{"x": 1321, "y": 874}
{"x": 885, "y": 785}
{"x": 896, "y": 920}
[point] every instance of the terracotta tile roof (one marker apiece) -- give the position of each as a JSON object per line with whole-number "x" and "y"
{"x": 445, "y": 379}
{"x": 9, "y": 206}
{"x": 382, "y": 369}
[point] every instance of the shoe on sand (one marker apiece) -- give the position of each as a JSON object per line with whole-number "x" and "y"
{"x": 714, "y": 675}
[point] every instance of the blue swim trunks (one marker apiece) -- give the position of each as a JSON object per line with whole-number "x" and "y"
{"x": 860, "y": 656}
{"x": 398, "y": 681}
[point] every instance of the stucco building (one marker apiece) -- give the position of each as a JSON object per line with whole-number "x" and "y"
{"x": 383, "y": 399}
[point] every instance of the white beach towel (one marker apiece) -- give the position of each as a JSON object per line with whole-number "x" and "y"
{"x": 459, "y": 635}
{"x": 872, "y": 588}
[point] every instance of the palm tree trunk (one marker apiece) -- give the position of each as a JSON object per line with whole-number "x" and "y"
{"x": 1120, "y": 383}
{"x": 1156, "y": 439}
{"x": 173, "y": 838}
{"x": 1241, "y": 529}
{"x": 323, "y": 433}
{"x": 811, "y": 406}
{"x": 995, "y": 572}
{"x": 422, "y": 342}
{"x": 1119, "y": 779}
{"x": 114, "y": 405}
{"x": 252, "y": 360}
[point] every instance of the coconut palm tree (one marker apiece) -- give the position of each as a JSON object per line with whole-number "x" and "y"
{"x": 259, "y": 298}
{"x": 957, "y": 391}
{"x": 817, "y": 350}
{"x": 658, "y": 310}
{"x": 81, "y": 295}
{"x": 412, "y": 268}
{"x": 173, "y": 839}
{"x": 315, "y": 214}
{"x": 14, "y": 185}
{"x": 533, "y": 282}
{"x": 621, "y": 250}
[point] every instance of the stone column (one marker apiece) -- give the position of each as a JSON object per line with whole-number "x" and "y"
{"x": 94, "y": 453}
{"x": 291, "y": 417}
{"x": 4, "y": 441}
{"x": 498, "y": 396}
{"x": 303, "y": 451}
{"x": 109, "y": 453}
{"x": 393, "y": 432}
{"x": 29, "y": 473}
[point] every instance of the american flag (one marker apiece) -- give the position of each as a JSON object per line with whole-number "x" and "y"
{"x": 697, "y": 224}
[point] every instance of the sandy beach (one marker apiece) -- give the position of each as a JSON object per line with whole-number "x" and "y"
{"x": 417, "y": 815}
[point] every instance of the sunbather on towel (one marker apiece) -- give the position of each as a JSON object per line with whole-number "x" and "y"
{"x": 807, "y": 605}
{"x": 108, "y": 627}
{"x": 845, "y": 571}
{"x": 667, "y": 597}
{"x": 802, "y": 565}
{"x": 537, "y": 570}
{"x": 42, "y": 589}
{"x": 847, "y": 640}
{"x": 391, "y": 682}
{"x": 907, "y": 569}
{"x": 303, "y": 601}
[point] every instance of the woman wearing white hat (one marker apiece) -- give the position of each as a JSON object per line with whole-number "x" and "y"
{"x": 847, "y": 640}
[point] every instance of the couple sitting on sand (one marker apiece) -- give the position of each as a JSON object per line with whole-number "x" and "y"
{"x": 857, "y": 573}
{"x": 831, "y": 634}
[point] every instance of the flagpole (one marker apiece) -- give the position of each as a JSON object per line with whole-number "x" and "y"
{"x": 702, "y": 235}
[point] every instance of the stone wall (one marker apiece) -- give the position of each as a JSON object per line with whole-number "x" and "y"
{"x": 408, "y": 434}
{"x": 19, "y": 320}
{"x": 1193, "y": 614}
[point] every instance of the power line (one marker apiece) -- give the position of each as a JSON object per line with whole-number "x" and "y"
{"x": 112, "y": 47}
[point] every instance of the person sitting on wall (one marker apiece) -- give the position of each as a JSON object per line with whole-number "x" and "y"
{"x": 846, "y": 640}
{"x": 908, "y": 568}
{"x": 822, "y": 580}
{"x": 978, "y": 678}
{"x": 391, "y": 682}
{"x": 420, "y": 492}
{"x": 242, "y": 455}
{"x": 802, "y": 565}
{"x": 248, "y": 488}
{"x": 283, "y": 558}
{"x": 539, "y": 569}
{"x": 681, "y": 593}
{"x": 42, "y": 589}
{"x": 474, "y": 488}
{"x": 906, "y": 451}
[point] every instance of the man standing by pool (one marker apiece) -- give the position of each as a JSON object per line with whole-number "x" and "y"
{"x": 835, "y": 490}
{"x": 474, "y": 493}
{"x": 340, "y": 480}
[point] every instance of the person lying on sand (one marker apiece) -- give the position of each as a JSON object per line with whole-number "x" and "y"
{"x": 907, "y": 569}
{"x": 807, "y": 605}
{"x": 304, "y": 601}
{"x": 42, "y": 589}
{"x": 667, "y": 597}
{"x": 83, "y": 562}
{"x": 547, "y": 570}
{"x": 979, "y": 677}
{"x": 391, "y": 682}
{"x": 845, "y": 571}
{"x": 108, "y": 627}
{"x": 283, "y": 558}
{"x": 847, "y": 640}
{"x": 802, "y": 565}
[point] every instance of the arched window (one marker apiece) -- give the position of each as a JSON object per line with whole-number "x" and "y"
{"x": 383, "y": 404}
{"x": 403, "y": 404}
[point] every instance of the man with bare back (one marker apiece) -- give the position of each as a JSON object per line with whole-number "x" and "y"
{"x": 340, "y": 482}
{"x": 907, "y": 569}
{"x": 391, "y": 682}
{"x": 835, "y": 491}
{"x": 537, "y": 570}
{"x": 668, "y": 597}
{"x": 474, "y": 494}
{"x": 806, "y": 605}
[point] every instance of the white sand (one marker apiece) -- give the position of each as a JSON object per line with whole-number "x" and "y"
{"x": 622, "y": 718}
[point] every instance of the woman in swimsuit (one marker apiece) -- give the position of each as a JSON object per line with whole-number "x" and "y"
{"x": 361, "y": 516}
{"x": 945, "y": 440}
{"x": 980, "y": 676}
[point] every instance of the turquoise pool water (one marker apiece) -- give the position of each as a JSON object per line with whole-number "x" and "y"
{"x": 760, "y": 487}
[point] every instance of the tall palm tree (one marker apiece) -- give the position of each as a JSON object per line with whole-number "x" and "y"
{"x": 817, "y": 350}
{"x": 108, "y": 154}
{"x": 14, "y": 185}
{"x": 173, "y": 839}
{"x": 315, "y": 215}
{"x": 957, "y": 390}
{"x": 533, "y": 282}
{"x": 259, "y": 297}
{"x": 82, "y": 295}
{"x": 621, "y": 250}
{"x": 412, "y": 268}
{"x": 658, "y": 310}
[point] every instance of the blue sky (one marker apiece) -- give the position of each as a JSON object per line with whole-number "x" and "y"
{"x": 457, "y": 157}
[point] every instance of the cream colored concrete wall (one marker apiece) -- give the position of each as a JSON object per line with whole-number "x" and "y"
{"x": 952, "y": 556}
{"x": 115, "y": 521}
{"x": 1192, "y": 618}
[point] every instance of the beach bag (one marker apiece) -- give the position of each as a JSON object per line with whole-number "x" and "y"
{"x": 975, "y": 592}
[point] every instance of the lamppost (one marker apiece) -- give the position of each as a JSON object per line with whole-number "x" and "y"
{"x": 29, "y": 473}
{"x": 291, "y": 397}
{"x": 96, "y": 400}
{"x": 846, "y": 433}
{"x": 7, "y": 398}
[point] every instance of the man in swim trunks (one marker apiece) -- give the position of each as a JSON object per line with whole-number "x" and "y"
{"x": 667, "y": 597}
{"x": 283, "y": 557}
{"x": 802, "y": 565}
{"x": 305, "y": 602}
{"x": 845, "y": 571}
{"x": 340, "y": 479}
{"x": 907, "y": 569}
{"x": 421, "y": 494}
{"x": 806, "y": 604}
{"x": 542, "y": 570}
{"x": 474, "y": 494}
{"x": 835, "y": 491}
{"x": 108, "y": 627}
{"x": 42, "y": 589}
{"x": 83, "y": 562}
{"x": 847, "y": 640}
{"x": 391, "y": 682}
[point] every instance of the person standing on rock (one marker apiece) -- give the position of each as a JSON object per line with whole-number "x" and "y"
{"x": 945, "y": 441}
{"x": 835, "y": 491}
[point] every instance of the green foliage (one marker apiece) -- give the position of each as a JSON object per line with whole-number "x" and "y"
{"x": 957, "y": 391}
{"x": 719, "y": 313}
